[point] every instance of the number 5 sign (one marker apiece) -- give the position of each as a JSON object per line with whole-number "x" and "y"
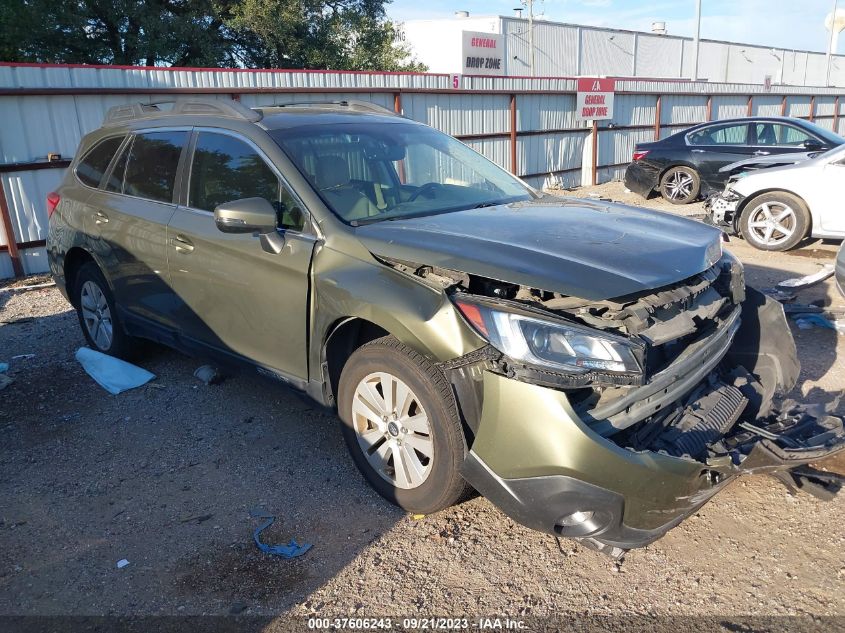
{"x": 456, "y": 82}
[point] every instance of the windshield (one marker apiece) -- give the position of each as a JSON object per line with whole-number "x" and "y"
{"x": 368, "y": 172}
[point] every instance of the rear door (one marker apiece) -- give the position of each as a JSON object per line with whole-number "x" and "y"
{"x": 129, "y": 217}
{"x": 714, "y": 146}
{"x": 233, "y": 295}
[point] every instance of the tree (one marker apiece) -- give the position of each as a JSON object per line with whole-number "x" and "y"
{"x": 336, "y": 34}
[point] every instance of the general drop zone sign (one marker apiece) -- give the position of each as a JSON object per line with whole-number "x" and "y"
{"x": 482, "y": 54}
{"x": 595, "y": 98}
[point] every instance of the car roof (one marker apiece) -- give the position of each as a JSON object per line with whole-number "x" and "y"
{"x": 288, "y": 117}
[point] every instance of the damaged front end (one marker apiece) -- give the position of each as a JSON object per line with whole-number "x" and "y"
{"x": 721, "y": 209}
{"x": 611, "y": 421}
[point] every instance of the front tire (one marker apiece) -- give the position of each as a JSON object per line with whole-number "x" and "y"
{"x": 97, "y": 314}
{"x": 775, "y": 221}
{"x": 401, "y": 425}
{"x": 680, "y": 185}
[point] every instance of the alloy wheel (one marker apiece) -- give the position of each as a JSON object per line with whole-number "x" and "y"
{"x": 96, "y": 315}
{"x": 393, "y": 430}
{"x": 679, "y": 185}
{"x": 772, "y": 223}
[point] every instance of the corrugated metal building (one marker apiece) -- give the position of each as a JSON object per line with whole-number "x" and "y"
{"x": 525, "y": 125}
{"x": 570, "y": 50}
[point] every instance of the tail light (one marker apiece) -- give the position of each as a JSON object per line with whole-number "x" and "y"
{"x": 640, "y": 154}
{"x": 53, "y": 200}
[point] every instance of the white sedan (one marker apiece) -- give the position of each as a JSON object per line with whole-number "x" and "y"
{"x": 775, "y": 208}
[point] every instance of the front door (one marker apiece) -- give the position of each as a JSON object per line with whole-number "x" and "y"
{"x": 235, "y": 296}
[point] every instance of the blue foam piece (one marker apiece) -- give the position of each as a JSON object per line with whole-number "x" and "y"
{"x": 112, "y": 374}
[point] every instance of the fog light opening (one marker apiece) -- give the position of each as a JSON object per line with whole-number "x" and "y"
{"x": 582, "y": 523}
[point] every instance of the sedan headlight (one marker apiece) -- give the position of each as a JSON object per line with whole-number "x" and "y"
{"x": 557, "y": 345}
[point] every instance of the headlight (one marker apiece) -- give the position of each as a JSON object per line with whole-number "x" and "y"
{"x": 558, "y": 345}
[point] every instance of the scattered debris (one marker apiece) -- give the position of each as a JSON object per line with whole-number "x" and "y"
{"x": 209, "y": 375}
{"x": 237, "y": 608}
{"x": 5, "y": 380}
{"x": 122, "y": 563}
{"x": 807, "y": 321}
{"x": 23, "y": 356}
{"x": 112, "y": 374}
{"x": 802, "y": 308}
{"x": 800, "y": 283}
{"x": 417, "y": 517}
{"x": 31, "y": 287}
{"x": 196, "y": 518}
{"x": 291, "y": 550}
{"x": 784, "y": 296}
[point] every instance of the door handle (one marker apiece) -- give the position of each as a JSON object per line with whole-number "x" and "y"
{"x": 760, "y": 152}
{"x": 100, "y": 218}
{"x": 182, "y": 244}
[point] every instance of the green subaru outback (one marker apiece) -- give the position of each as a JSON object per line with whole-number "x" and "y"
{"x": 597, "y": 371}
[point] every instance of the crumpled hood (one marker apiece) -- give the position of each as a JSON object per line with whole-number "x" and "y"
{"x": 594, "y": 250}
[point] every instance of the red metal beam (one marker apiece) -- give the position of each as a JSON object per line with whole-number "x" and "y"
{"x": 22, "y": 246}
{"x": 749, "y": 109}
{"x": 514, "y": 166}
{"x": 658, "y": 115}
{"x": 812, "y": 108}
{"x": 836, "y": 115}
{"x": 709, "y": 107}
{"x": 34, "y": 166}
{"x": 783, "y": 106}
{"x": 11, "y": 240}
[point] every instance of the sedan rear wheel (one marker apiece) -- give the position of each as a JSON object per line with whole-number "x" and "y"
{"x": 775, "y": 221}
{"x": 680, "y": 185}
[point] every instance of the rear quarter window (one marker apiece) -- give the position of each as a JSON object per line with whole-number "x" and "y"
{"x": 90, "y": 169}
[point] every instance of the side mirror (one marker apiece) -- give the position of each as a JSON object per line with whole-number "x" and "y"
{"x": 812, "y": 145}
{"x": 247, "y": 215}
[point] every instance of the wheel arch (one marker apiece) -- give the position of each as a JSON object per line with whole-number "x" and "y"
{"x": 342, "y": 339}
{"x": 74, "y": 260}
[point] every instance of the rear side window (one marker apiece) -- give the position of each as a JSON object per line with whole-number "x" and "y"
{"x": 720, "y": 135}
{"x": 151, "y": 165}
{"x": 225, "y": 169}
{"x": 90, "y": 169}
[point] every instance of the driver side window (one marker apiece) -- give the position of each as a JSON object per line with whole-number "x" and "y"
{"x": 225, "y": 168}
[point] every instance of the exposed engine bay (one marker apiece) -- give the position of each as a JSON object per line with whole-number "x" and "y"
{"x": 714, "y": 364}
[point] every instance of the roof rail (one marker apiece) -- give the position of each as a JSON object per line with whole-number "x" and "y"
{"x": 181, "y": 107}
{"x": 352, "y": 104}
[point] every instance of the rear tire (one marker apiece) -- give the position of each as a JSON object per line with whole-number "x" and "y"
{"x": 401, "y": 425}
{"x": 680, "y": 185}
{"x": 98, "y": 317}
{"x": 775, "y": 221}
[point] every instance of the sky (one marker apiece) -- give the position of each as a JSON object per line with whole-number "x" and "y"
{"x": 790, "y": 24}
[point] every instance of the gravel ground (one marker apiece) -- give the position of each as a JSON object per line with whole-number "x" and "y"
{"x": 165, "y": 476}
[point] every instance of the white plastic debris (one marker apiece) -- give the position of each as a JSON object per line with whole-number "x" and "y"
{"x": 122, "y": 563}
{"x": 808, "y": 280}
{"x": 208, "y": 374}
{"x": 112, "y": 374}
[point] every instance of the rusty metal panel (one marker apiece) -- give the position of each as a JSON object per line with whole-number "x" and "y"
{"x": 683, "y": 109}
{"x": 546, "y": 112}
{"x": 729, "y": 107}
{"x": 550, "y": 153}
{"x": 798, "y": 106}
{"x": 766, "y": 105}
{"x": 459, "y": 114}
{"x": 634, "y": 109}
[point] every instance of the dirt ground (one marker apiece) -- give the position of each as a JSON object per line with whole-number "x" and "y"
{"x": 165, "y": 476}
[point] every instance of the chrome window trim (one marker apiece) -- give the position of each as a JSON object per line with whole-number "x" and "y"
{"x": 109, "y": 167}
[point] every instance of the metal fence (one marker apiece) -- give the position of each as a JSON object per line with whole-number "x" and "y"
{"x": 527, "y": 126}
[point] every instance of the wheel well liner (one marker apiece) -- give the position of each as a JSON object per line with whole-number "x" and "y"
{"x": 75, "y": 258}
{"x": 346, "y": 336}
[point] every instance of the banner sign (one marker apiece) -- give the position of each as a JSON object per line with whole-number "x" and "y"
{"x": 482, "y": 54}
{"x": 595, "y": 99}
